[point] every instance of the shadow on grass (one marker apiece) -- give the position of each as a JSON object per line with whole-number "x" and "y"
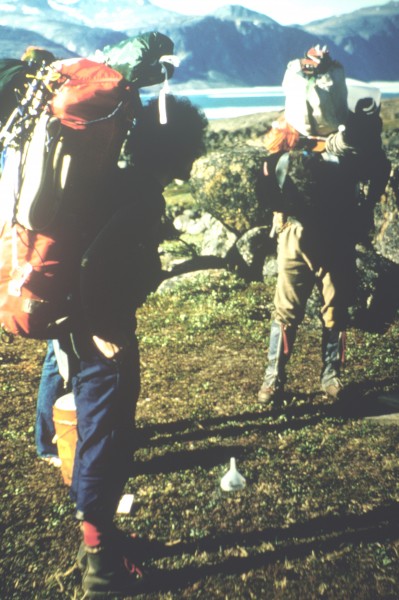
{"x": 323, "y": 534}
{"x": 358, "y": 401}
{"x": 187, "y": 460}
{"x": 232, "y": 425}
{"x": 363, "y": 399}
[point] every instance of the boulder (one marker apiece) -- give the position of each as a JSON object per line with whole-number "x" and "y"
{"x": 377, "y": 295}
{"x": 386, "y": 218}
{"x": 230, "y": 186}
{"x": 254, "y": 247}
{"x": 190, "y": 279}
{"x": 217, "y": 240}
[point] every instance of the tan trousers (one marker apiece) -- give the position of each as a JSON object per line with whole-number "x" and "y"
{"x": 305, "y": 260}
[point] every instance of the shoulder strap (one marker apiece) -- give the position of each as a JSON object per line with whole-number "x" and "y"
{"x": 282, "y": 169}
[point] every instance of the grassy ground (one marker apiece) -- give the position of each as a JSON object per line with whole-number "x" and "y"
{"x": 319, "y": 517}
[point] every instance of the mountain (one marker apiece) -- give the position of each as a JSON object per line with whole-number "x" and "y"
{"x": 106, "y": 14}
{"x": 242, "y": 48}
{"x": 119, "y": 15}
{"x": 13, "y": 42}
{"x": 369, "y": 37}
{"x": 59, "y": 31}
{"x": 239, "y": 13}
{"x": 232, "y": 46}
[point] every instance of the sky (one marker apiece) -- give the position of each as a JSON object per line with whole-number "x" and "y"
{"x": 285, "y": 12}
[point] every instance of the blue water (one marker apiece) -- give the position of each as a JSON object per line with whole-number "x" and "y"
{"x": 228, "y": 103}
{"x": 232, "y": 102}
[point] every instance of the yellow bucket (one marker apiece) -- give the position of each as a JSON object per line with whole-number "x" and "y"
{"x": 66, "y": 435}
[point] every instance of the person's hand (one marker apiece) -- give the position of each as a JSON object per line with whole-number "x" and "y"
{"x": 107, "y": 349}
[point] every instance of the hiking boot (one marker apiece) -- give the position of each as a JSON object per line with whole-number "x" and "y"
{"x": 81, "y": 557}
{"x": 108, "y": 573}
{"x": 280, "y": 346}
{"x": 333, "y": 352}
{"x": 269, "y": 394}
{"x": 130, "y": 546}
{"x": 333, "y": 389}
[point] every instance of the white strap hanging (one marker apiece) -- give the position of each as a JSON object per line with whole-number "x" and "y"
{"x": 163, "y": 117}
{"x": 62, "y": 361}
{"x": 175, "y": 61}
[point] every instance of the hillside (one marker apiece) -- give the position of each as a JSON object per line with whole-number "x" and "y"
{"x": 246, "y": 48}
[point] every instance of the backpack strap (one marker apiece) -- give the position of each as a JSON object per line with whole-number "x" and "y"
{"x": 282, "y": 169}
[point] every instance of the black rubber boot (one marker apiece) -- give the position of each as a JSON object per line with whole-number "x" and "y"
{"x": 106, "y": 573}
{"x": 280, "y": 347}
{"x": 333, "y": 352}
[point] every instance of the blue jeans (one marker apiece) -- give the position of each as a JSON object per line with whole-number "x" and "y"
{"x": 106, "y": 393}
{"x": 51, "y": 387}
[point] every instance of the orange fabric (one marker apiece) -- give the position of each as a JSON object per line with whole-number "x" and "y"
{"x": 282, "y": 137}
{"x": 320, "y": 146}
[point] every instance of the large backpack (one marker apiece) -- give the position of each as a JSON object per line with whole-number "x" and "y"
{"x": 67, "y": 139}
{"x": 61, "y": 144}
{"x": 316, "y": 187}
{"x": 315, "y": 93}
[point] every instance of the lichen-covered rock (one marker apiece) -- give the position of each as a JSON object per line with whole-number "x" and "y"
{"x": 253, "y": 247}
{"x": 386, "y": 217}
{"x": 377, "y": 295}
{"x": 230, "y": 186}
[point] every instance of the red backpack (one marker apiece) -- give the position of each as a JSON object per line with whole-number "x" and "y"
{"x": 60, "y": 146}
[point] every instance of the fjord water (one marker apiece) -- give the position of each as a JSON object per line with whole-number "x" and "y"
{"x": 225, "y": 103}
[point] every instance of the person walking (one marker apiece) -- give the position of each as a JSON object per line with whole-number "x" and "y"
{"x": 316, "y": 210}
{"x": 118, "y": 270}
{"x": 315, "y": 247}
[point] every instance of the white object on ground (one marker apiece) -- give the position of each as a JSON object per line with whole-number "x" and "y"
{"x": 125, "y": 504}
{"x": 232, "y": 480}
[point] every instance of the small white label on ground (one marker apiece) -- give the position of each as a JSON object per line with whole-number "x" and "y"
{"x": 125, "y": 504}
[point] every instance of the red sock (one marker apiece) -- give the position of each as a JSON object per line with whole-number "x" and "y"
{"x": 91, "y": 534}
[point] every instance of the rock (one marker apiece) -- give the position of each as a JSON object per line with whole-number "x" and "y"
{"x": 253, "y": 247}
{"x": 386, "y": 218}
{"x": 217, "y": 239}
{"x": 369, "y": 267}
{"x": 188, "y": 223}
{"x": 198, "y": 263}
{"x": 270, "y": 267}
{"x": 211, "y": 236}
{"x": 231, "y": 187}
{"x": 389, "y": 419}
{"x": 190, "y": 279}
{"x": 390, "y": 399}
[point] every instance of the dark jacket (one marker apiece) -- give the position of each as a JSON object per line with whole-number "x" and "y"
{"x": 122, "y": 265}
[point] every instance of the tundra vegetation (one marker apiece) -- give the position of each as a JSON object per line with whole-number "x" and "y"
{"x": 318, "y": 517}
